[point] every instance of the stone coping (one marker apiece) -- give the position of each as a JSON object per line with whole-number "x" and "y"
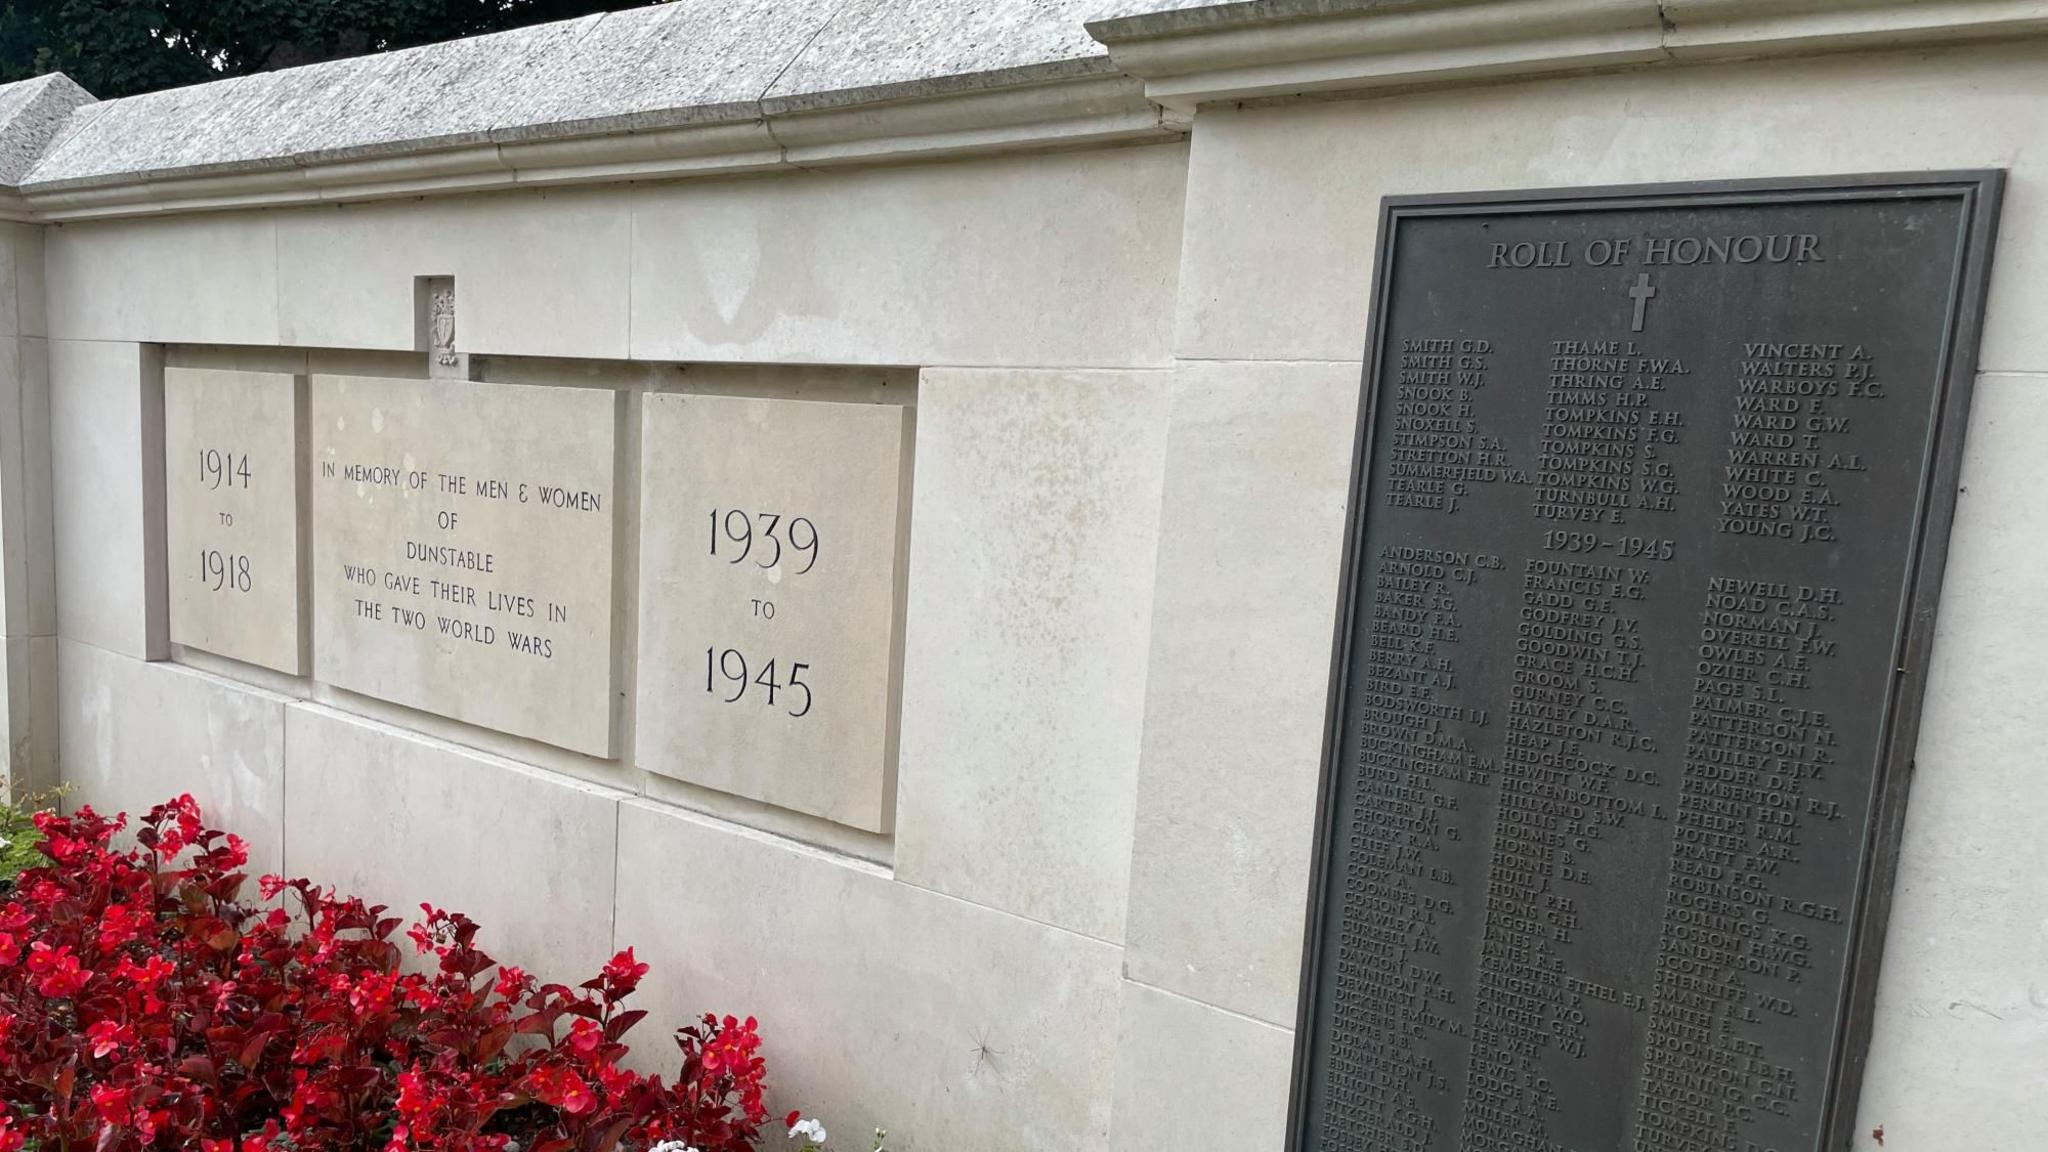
{"x": 688, "y": 86}
{"x": 682, "y": 63}
{"x": 1199, "y": 54}
{"x": 32, "y": 113}
{"x": 722, "y": 86}
{"x": 1193, "y": 54}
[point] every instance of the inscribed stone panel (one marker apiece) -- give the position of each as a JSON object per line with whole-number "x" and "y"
{"x": 771, "y": 576}
{"x": 462, "y": 551}
{"x": 232, "y": 485}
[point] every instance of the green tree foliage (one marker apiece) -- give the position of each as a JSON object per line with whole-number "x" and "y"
{"x": 121, "y": 47}
{"x": 21, "y": 846}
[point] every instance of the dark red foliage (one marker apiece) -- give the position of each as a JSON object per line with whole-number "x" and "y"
{"x": 144, "y": 1004}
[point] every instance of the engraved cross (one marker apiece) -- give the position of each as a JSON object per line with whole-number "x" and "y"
{"x": 1642, "y": 293}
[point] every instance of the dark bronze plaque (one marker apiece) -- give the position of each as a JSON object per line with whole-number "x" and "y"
{"x": 1653, "y": 491}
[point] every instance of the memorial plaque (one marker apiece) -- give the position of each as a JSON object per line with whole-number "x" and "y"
{"x": 1653, "y": 491}
{"x": 462, "y": 556}
{"x": 231, "y": 454}
{"x": 771, "y": 594}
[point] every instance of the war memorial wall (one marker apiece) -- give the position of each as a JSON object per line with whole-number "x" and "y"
{"x": 1297, "y": 577}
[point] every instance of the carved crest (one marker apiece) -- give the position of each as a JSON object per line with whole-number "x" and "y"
{"x": 441, "y": 311}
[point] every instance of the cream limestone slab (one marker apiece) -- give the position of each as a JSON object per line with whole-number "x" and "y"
{"x": 15, "y": 500}
{"x": 28, "y": 716}
{"x": 881, "y": 1004}
{"x": 345, "y": 273}
{"x": 209, "y": 278}
{"x": 27, "y": 600}
{"x": 33, "y": 364}
{"x": 771, "y": 584}
{"x": 18, "y": 741}
{"x": 1278, "y": 264}
{"x": 1959, "y": 1047}
{"x": 402, "y": 819}
{"x": 1051, "y": 259}
{"x": 32, "y": 294}
{"x": 21, "y": 280}
{"x": 133, "y": 735}
{"x": 1258, "y": 469}
{"x": 1192, "y": 1076}
{"x": 463, "y": 551}
{"x": 44, "y": 770}
{"x": 107, "y": 472}
{"x": 1035, "y": 531}
{"x": 232, "y": 494}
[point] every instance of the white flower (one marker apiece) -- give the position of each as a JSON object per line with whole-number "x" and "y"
{"x": 671, "y": 1146}
{"x": 808, "y": 1129}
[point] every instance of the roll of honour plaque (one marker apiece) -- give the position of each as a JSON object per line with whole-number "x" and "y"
{"x": 1652, "y": 495}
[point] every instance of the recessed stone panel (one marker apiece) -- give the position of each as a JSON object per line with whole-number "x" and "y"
{"x": 771, "y": 566}
{"x": 231, "y": 499}
{"x": 462, "y": 551}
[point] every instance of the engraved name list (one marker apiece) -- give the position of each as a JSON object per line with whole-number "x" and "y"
{"x": 1637, "y": 592}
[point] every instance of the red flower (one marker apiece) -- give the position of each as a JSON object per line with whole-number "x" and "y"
{"x": 184, "y": 813}
{"x": 61, "y": 975}
{"x": 107, "y": 1036}
{"x": 120, "y": 924}
{"x": 113, "y": 1105}
{"x": 622, "y": 974}
{"x": 144, "y": 976}
{"x": 413, "y": 1099}
{"x": 188, "y": 1016}
{"x": 585, "y": 1036}
{"x": 562, "y": 1088}
{"x": 617, "y": 1081}
{"x": 511, "y": 983}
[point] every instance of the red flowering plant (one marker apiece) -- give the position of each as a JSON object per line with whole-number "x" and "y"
{"x": 144, "y": 1004}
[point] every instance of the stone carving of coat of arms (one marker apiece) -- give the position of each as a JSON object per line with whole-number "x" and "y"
{"x": 442, "y": 315}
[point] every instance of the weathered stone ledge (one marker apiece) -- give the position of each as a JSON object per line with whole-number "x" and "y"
{"x": 690, "y": 88}
{"x": 650, "y": 93}
{"x": 1191, "y": 55}
{"x": 1063, "y": 111}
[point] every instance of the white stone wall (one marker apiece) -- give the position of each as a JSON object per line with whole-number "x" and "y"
{"x": 1062, "y": 260}
{"x": 1282, "y": 217}
{"x": 1136, "y": 371}
{"x": 28, "y": 594}
{"x": 956, "y": 980}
